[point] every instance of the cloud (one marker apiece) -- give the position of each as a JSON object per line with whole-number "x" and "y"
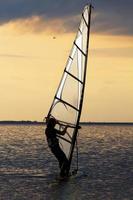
{"x": 39, "y": 24}
{"x": 110, "y": 17}
{"x": 18, "y": 9}
{"x": 113, "y": 17}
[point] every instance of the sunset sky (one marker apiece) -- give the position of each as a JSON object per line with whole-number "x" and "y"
{"x": 35, "y": 40}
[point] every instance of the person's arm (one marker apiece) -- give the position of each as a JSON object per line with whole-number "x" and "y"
{"x": 62, "y": 132}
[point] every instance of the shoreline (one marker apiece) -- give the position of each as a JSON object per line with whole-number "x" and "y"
{"x": 23, "y": 122}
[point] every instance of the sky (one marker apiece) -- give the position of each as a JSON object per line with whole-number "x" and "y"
{"x": 35, "y": 40}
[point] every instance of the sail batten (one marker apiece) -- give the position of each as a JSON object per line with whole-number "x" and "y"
{"x": 74, "y": 76}
{"x": 67, "y": 103}
{"x": 84, "y": 19}
{"x": 79, "y": 49}
{"x": 80, "y": 30}
{"x": 70, "y": 57}
{"x": 64, "y": 139}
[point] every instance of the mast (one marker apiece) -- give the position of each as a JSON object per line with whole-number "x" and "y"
{"x": 83, "y": 89}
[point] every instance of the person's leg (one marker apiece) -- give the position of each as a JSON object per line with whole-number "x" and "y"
{"x": 63, "y": 161}
{"x": 64, "y": 168}
{"x": 59, "y": 154}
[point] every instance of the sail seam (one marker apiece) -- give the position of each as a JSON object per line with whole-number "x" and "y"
{"x": 79, "y": 49}
{"x": 66, "y": 103}
{"x": 84, "y": 20}
{"x": 73, "y": 76}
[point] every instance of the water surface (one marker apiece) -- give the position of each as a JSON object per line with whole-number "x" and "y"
{"x": 28, "y": 170}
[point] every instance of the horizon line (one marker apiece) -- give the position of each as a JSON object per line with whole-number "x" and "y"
{"x": 42, "y": 122}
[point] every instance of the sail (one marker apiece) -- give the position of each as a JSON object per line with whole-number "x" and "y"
{"x": 67, "y": 103}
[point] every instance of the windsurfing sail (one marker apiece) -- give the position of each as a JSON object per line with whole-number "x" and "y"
{"x": 68, "y": 100}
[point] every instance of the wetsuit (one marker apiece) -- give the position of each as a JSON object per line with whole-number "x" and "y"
{"x": 53, "y": 143}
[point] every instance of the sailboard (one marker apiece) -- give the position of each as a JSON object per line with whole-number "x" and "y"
{"x": 68, "y": 100}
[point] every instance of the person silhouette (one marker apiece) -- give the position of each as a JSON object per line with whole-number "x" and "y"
{"x": 53, "y": 143}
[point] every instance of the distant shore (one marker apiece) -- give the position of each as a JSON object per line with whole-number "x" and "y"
{"x": 23, "y": 122}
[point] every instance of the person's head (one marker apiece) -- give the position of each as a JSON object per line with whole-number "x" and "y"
{"x": 51, "y": 123}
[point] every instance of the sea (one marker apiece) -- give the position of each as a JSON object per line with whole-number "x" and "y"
{"x": 29, "y": 171}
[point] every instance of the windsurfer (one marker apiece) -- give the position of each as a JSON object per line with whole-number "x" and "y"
{"x": 53, "y": 143}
